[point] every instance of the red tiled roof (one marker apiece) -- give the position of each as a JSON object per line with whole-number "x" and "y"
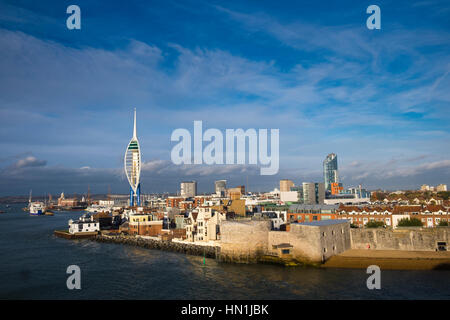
{"x": 434, "y": 208}
{"x": 406, "y": 209}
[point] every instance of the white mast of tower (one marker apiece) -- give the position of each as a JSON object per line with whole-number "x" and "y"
{"x": 132, "y": 160}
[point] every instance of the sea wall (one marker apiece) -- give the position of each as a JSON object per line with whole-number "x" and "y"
{"x": 399, "y": 239}
{"x": 243, "y": 241}
{"x": 252, "y": 241}
{"x": 186, "y": 248}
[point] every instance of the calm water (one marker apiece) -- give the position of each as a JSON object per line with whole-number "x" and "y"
{"x": 33, "y": 265}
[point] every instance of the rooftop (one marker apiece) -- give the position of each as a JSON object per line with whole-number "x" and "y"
{"x": 323, "y": 222}
{"x": 296, "y": 207}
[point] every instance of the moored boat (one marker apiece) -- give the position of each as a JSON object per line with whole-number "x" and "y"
{"x": 37, "y": 208}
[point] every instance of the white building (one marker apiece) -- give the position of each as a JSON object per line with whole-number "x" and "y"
{"x": 188, "y": 189}
{"x": 289, "y": 196}
{"x": 203, "y": 224}
{"x": 106, "y": 203}
{"x": 85, "y": 224}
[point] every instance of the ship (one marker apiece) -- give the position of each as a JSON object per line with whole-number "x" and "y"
{"x": 37, "y": 208}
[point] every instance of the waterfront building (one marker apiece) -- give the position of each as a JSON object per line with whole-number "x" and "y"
{"x": 203, "y": 224}
{"x": 248, "y": 240}
{"x": 430, "y": 215}
{"x": 85, "y": 224}
{"x": 144, "y": 225}
{"x": 188, "y": 189}
{"x": 132, "y": 164}
{"x": 285, "y": 185}
{"x": 330, "y": 171}
{"x": 67, "y": 202}
{"x": 220, "y": 187}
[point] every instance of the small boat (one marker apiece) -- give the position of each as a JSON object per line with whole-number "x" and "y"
{"x": 49, "y": 213}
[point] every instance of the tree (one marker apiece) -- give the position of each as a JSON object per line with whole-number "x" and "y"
{"x": 444, "y": 194}
{"x": 443, "y": 223}
{"x": 374, "y": 224}
{"x": 413, "y": 222}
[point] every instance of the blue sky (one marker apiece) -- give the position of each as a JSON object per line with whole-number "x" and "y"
{"x": 378, "y": 98}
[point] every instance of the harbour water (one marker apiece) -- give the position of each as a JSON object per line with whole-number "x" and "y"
{"x": 33, "y": 265}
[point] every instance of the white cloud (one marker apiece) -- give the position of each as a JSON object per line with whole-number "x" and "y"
{"x": 29, "y": 161}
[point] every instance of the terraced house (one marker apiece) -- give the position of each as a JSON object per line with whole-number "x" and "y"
{"x": 430, "y": 215}
{"x": 203, "y": 224}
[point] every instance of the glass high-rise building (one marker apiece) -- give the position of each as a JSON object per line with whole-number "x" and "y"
{"x": 330, "y": 171}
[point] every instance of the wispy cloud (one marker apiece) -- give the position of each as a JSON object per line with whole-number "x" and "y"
{"x": 30, "y": 162}
{"x": 327, "y": 85}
